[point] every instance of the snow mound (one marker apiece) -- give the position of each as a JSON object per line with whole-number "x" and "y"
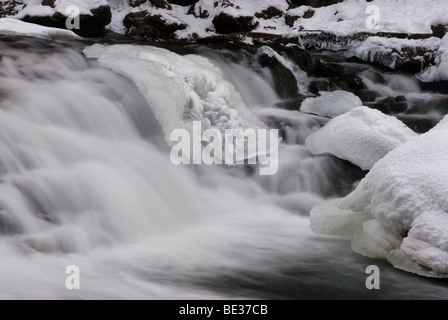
{"x": 399, "y": 212}
{"x": 331, "y": 104}
{"x": 440, "y": 70}
{"x": 178, "y": 88}
{"x": 16, "y": 27}
{"x": 362, "y": 136}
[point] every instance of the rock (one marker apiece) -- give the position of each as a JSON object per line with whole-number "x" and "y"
{"x": 366, "y": 95}
{"x": 320, "y": 85}
{"x": 308, "y": 14}
{"x": 91, "y": 25}
{"x": 315, "y": 3}
{"x": 420, "y": 125}
{"x": 9, "y": 7}
{"x": 49, "y": 3}
{"x": 200, "y": 14}
{"x": 285, "y": 82}
{"x": 395, "y": 104}
{"x": 145, "y": 25}
{"x": 439, "y": 30}
{"x": 291, "y": 104}
{"x": 290, "y": 20}
{"x": 269, "y": 13}
{"x": 184, "y": 3}
{"x": 379, "y": 106}
{"x": 226, "y": 24}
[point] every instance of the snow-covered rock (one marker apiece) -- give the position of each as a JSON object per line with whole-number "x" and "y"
{"x": 440, "y": 70}
{"x": 362, "y": 136}
{"x": 17, "y": 27}
{"x": 331, "y": 104}
{"x": 399, "y": 212}
{"x": 402, "y": 54}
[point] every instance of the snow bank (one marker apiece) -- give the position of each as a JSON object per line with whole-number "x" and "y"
{"x": 17, "y": 27}
{"x": 362, "y": 136}
{"x": 178, "y": 88}
{"x": 440, "y": 70}
{"x": 346, "y": 18}
{"x": 399, "y": 212}
{"x": 390, "y": 51}
{"x": 331, "y": 104}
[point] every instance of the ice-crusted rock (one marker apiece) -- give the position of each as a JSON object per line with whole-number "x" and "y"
{"x": 331, "y": 104}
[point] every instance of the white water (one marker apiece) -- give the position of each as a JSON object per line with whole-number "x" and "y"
{"x": 86, "y": 180}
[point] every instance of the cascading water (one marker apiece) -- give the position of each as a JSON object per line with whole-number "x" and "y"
{"x": 86, "y": 180}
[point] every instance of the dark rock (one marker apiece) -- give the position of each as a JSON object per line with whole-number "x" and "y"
{"x": 143, "y": 24}
{"x": 49, "y": 3}
{"x": 9, "y": 7}
{"x": 308, "y": 14}
{"x": 320, "y": 85}
{"x": 184, "y": 3}
{"x": 420, "y": 125}
{"x": 394, "y": 105}
{"x": 290, "y": 20}
{"x": 323, "y": 69}
{"x": 269, "y": 13}
{"x": 90, "y": 25}
{"x": 439, "y": 30}
{"x": 291, "y": 104}
{"x": 315, "y": 3}
{"x": 366, "y": 95}
{"x": 380, "y": 107}
{"x": 226, "y": 24}
{"x": 285, "y": 82}
{"x": 353, "y": 81}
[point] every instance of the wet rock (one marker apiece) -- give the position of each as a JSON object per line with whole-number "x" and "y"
{"x": 199, "y": 13}
{"x": 366, "y": 95}
{"x": 285, "y": 82}
{"x": 395, "y": 104}
{"x": 308, "y": 14}
{"x": 226, "y": 24}
{"x": 320, "y": 85}
{"x": 90, "y": 25}
{"x": 420, "y": 125}
{"x": 145, "y": 25}
{"x": 49, "y": 3}
{"x": 269, "y": 13}
{"x": 291, "y": 104}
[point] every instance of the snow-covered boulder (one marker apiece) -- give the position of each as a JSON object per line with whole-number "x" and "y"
{"x": 362, "y": 136}
{"x": 399, "y": 212}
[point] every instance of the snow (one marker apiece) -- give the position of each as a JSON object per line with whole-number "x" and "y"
{"x": 178, "y": 88}
{"x": 331, "y": 104}
{"x": 387, "y": 51}
{"x": 399, "y": 212}
{"x": 17, "y": 27}
{"x": 440, "y": 70}
{"x": 362, "y": 136}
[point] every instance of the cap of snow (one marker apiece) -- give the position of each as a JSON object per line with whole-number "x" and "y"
{"x": 362, "y": 136}
{"x": 331, "y": 104}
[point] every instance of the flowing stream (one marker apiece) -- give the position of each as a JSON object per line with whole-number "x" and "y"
{"x": 86, "y": 180}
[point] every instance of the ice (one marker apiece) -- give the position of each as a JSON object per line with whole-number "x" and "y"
{"x": 362, "y": 136}
{"x": 17, "y": 27}
{"x": 404, "y": 198}
{"x": 387, "y": 51}
{"x": 331, "y": 104}
{"x": 440, "y": 70}
{"x": 178, "y": 88}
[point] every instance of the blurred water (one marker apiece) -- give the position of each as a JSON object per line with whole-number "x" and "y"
{"x": 86, "y": 180}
